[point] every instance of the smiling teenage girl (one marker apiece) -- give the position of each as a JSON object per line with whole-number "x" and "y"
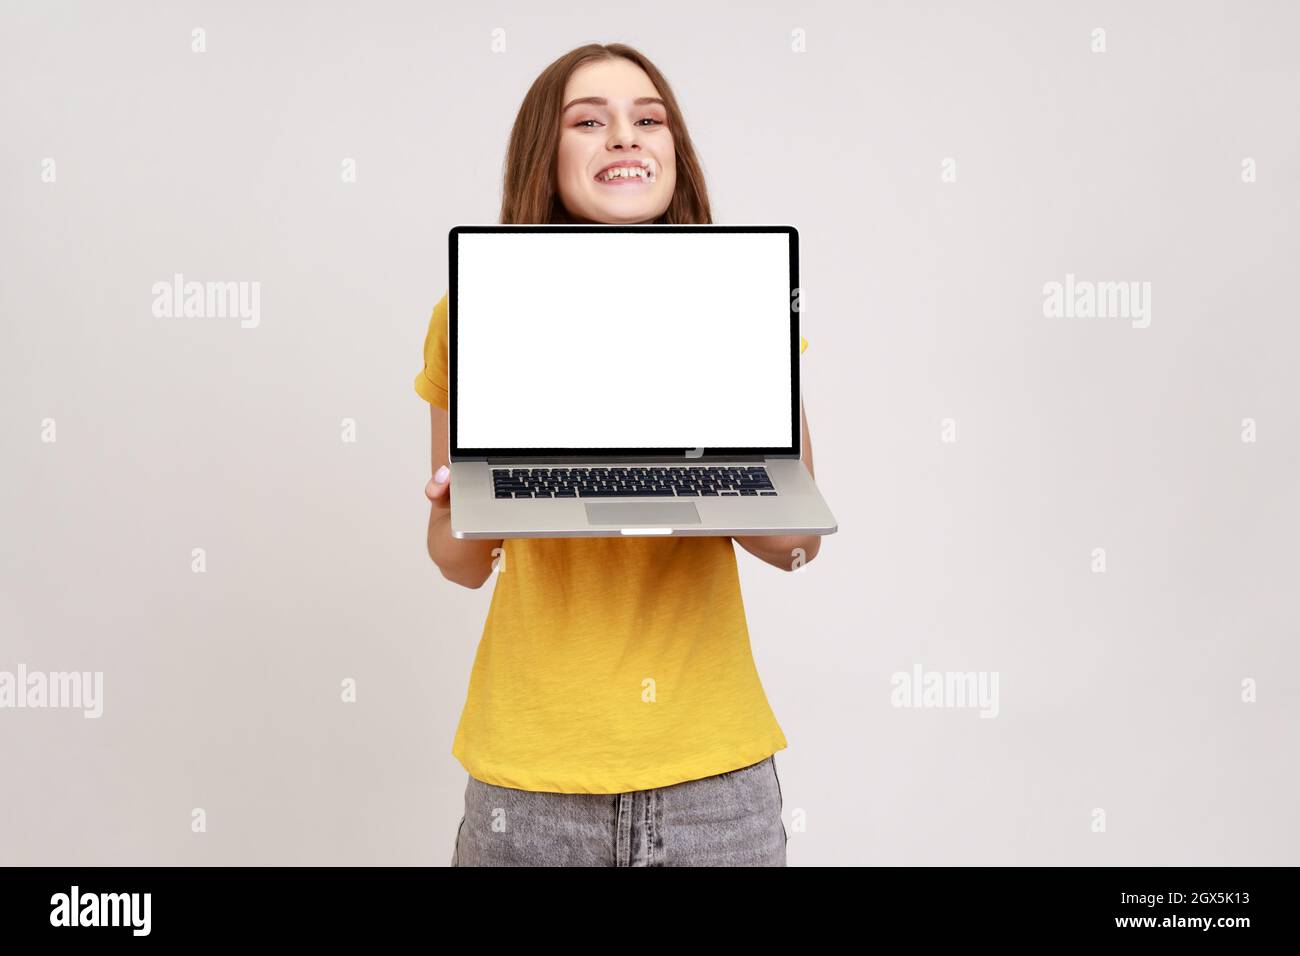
{"x": 615, "y": 716}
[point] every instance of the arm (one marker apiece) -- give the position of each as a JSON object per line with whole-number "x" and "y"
{"x": 776, "y": 549}
{"x": 467, "y": 563}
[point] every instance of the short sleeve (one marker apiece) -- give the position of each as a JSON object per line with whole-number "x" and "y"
{"x": 431, "y": 382}
{"x": 803, "y": 345}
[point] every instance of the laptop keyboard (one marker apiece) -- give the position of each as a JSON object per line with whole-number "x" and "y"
{"x": 652, "y": 481}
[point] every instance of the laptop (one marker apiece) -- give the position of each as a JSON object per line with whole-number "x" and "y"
{"x": 626, "y": 380}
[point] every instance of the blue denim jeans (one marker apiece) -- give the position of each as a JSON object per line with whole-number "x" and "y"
{"x": 731, "y": 819}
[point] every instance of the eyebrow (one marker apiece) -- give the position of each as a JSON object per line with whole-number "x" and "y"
{"x": 601, "y": 101}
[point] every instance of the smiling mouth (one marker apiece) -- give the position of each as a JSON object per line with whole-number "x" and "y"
{"x": 642, "y": 171}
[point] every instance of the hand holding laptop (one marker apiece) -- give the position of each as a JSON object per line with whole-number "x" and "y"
{"x": 438, "y": 489}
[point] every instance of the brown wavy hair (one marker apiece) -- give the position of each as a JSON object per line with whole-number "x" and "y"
{"x": 529, "y": 195}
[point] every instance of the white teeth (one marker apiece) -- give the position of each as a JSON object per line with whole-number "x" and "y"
{"x": 645, "y": 172}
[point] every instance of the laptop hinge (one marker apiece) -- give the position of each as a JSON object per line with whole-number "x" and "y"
{"x": 616, "y": 459}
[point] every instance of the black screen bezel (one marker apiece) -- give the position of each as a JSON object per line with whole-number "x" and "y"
{"x": 613, "y": 454}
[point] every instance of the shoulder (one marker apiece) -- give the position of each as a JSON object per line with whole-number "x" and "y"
{"x": 437, "y": 324}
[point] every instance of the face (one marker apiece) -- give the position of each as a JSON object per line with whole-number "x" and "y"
{"x": 616, "y": 160}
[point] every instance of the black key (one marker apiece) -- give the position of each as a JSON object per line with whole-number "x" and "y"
{"x": 767, "y": 492}
{"x": 523, "y": 494}
{"x": 725, "y": 493}
{"x": 505, "y": 494}
{"x": 747, "y": 491}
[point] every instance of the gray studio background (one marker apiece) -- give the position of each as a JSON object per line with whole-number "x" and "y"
{"x": 923, "y": 301}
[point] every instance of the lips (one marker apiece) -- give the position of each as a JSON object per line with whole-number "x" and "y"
{"x": 645, "y": 172}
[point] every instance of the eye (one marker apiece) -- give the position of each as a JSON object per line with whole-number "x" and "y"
{"x": 647, "y": 119}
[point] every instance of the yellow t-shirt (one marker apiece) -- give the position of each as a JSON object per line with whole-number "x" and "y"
{"x": 608, "y": 664}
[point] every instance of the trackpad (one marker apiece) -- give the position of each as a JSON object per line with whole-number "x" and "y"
{"x": 627, "y": 513}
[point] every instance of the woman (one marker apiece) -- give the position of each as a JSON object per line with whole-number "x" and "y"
{"x": 615, "y": 716}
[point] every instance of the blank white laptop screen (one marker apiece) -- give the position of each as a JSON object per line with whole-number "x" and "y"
{"x": 623, "y": 340}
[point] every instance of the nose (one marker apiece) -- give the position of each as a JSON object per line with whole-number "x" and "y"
{"x": 623, "y": 135}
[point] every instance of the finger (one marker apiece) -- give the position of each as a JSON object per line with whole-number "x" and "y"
{"x": 438, "y": 489}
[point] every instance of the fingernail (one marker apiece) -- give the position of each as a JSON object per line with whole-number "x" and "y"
{"x": 441, "y": 474}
